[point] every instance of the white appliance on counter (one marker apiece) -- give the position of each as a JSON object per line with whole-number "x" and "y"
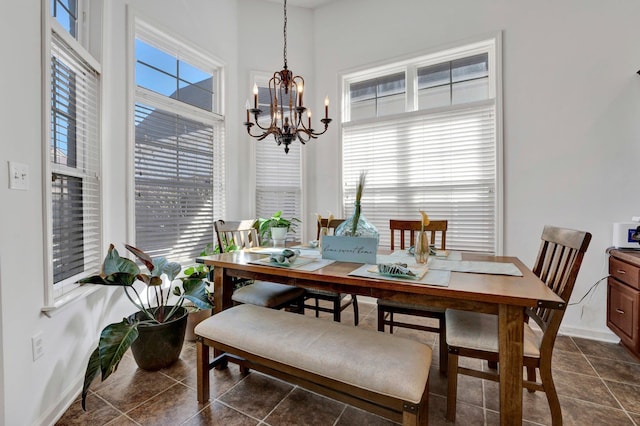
{"x": 627, "y": 234}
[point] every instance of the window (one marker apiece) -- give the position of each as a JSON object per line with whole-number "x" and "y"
{"x": 74, "y": 199}
{"x": 179, "y": 147}
{"x": 278, "y": 175}
{"x": 377, "y": 97}
{"x": 440, "y": 153}
{"x": 454, "y": 82}
{"x": 66, "y": 13}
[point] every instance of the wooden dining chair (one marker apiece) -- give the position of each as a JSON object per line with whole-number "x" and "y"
{"x": 339, "y": 301}
{"x": 388, "y": 308}
{"x": 243, "y": 234}
{"x": 475, "y": 335}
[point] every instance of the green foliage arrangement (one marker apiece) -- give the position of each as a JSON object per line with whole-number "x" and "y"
{"x": 116, "y": 338}
{"x": 276, "y": 221}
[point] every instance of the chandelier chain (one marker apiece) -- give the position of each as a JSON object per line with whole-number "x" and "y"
{"x": 285, "y": 34}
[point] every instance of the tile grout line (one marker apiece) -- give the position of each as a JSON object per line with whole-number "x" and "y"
{"x": 279, "y": 403}
{"x": 623, "y": 409}
{"x": 340, "y": 415}
{"x": 120, "y": 412}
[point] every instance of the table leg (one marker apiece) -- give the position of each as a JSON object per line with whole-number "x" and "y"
{"x": 222, "y": 291}
{"x": 510, "y": 332}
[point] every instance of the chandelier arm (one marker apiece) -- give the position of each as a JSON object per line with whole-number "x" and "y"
{"x": 256, "y": 122}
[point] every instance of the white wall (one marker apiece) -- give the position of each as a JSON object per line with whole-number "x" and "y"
{"x": 37, "y": 392}
{"x": 571, "y": 135}
{"x": 571, "y": 111}
{"x": 260, "y": 44}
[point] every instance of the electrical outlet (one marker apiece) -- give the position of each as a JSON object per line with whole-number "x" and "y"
{"x": 37, "y": 345}
{"x": 18, "y": 176}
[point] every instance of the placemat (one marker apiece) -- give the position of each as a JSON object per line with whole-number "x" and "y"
{"x": 301, "y": 263}
{"x": 476, "y": 267}
{"x": 432, "y": 277}
{"x": 404, "y": 256}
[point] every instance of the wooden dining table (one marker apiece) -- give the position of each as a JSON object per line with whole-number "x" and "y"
{"x": 503, "y": 295}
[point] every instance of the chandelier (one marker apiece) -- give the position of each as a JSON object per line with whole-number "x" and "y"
{"x": 286, "y": 109}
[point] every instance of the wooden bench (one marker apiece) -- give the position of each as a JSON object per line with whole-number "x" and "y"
{"x": 380, "y": 373}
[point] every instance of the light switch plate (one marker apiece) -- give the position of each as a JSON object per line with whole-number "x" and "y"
{"x": 18, "y": 176}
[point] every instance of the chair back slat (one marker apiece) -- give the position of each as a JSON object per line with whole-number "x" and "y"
{"x": 242, "y": 234}
{"x": 557, "y": 265}
{"x": 411, "y": 227}
{"x": 331, "y": 226}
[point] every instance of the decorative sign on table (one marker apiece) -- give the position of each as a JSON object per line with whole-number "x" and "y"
{"x": 350, "y": 249}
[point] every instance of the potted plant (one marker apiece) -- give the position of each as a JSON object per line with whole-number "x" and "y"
{"x": 276, "y": 227}
{"x": 156, "y": 326}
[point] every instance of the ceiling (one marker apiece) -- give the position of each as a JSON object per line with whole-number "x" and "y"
{"x": 310, "y": 4}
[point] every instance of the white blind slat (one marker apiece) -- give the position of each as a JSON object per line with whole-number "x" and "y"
{"x": 176, "y": 163}
{"x": 278, "y": 177}
{"x": 443, "y": 163}
{"x": 75, "y": 163}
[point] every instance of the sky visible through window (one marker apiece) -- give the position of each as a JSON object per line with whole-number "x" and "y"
{"x": 167, "y": 75}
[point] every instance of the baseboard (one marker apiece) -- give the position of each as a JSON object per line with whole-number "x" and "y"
{"x": 603, "y": 335}
{"x": 54, "y": 413}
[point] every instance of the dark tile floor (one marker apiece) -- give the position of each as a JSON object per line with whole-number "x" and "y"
{"x": 598, "y": 384}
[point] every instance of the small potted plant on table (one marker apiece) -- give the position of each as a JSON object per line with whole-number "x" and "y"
{"x": 276, "y": 228}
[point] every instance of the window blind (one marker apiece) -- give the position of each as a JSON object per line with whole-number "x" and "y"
{"x": 75, "y": 163}
{"x": 278, "y": 180}
{"x": 442, "y": 162}
{"x": 177, "y": 164}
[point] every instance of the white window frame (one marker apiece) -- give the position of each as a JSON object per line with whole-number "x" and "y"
{"x": 161, "y": 38}
{"x": 57, "y": 295}
{"x": 492, "y": 44}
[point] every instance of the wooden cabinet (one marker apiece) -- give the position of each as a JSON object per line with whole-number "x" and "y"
{"x": 623, "y": 298}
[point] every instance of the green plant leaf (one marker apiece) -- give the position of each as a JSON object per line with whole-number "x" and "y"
{"x": 172, "y": 270}
{"x": 93, "y": 368}
{"x": 144, "y": 257}
{"x": 115, "y": 340}
{"x": 195, "y": 291}
{"x": 114, "y": 263}
{"x": 122, "y": 279}
{"x": 159, "y": 264}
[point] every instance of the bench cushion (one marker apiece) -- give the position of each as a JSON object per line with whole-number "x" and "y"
{"x": 371, "y": 360}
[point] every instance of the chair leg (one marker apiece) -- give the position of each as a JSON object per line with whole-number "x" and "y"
{"x": 442, "y": 341}
{"x": 336, "y": 309}
{"x": 552, "y": 396}
{"x": 356, "y": 312}
{"x": 317, "y": 307}
{"x": 452, "y": 386}
{"x": 380, "y": 319}
{"x": 390, "y": 322}
{"x": 300, "y": 305}
{"x": 493, "y": 365}
{"x": 531, "y": 376}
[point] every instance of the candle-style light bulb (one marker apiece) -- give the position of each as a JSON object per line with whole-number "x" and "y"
{"x": 309, "y": 117}
{"x": 326, "y": 106}
{"x": 299, "y": 94}
{"x": 255, "y": 95}
{"x": 247, "y": 106}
